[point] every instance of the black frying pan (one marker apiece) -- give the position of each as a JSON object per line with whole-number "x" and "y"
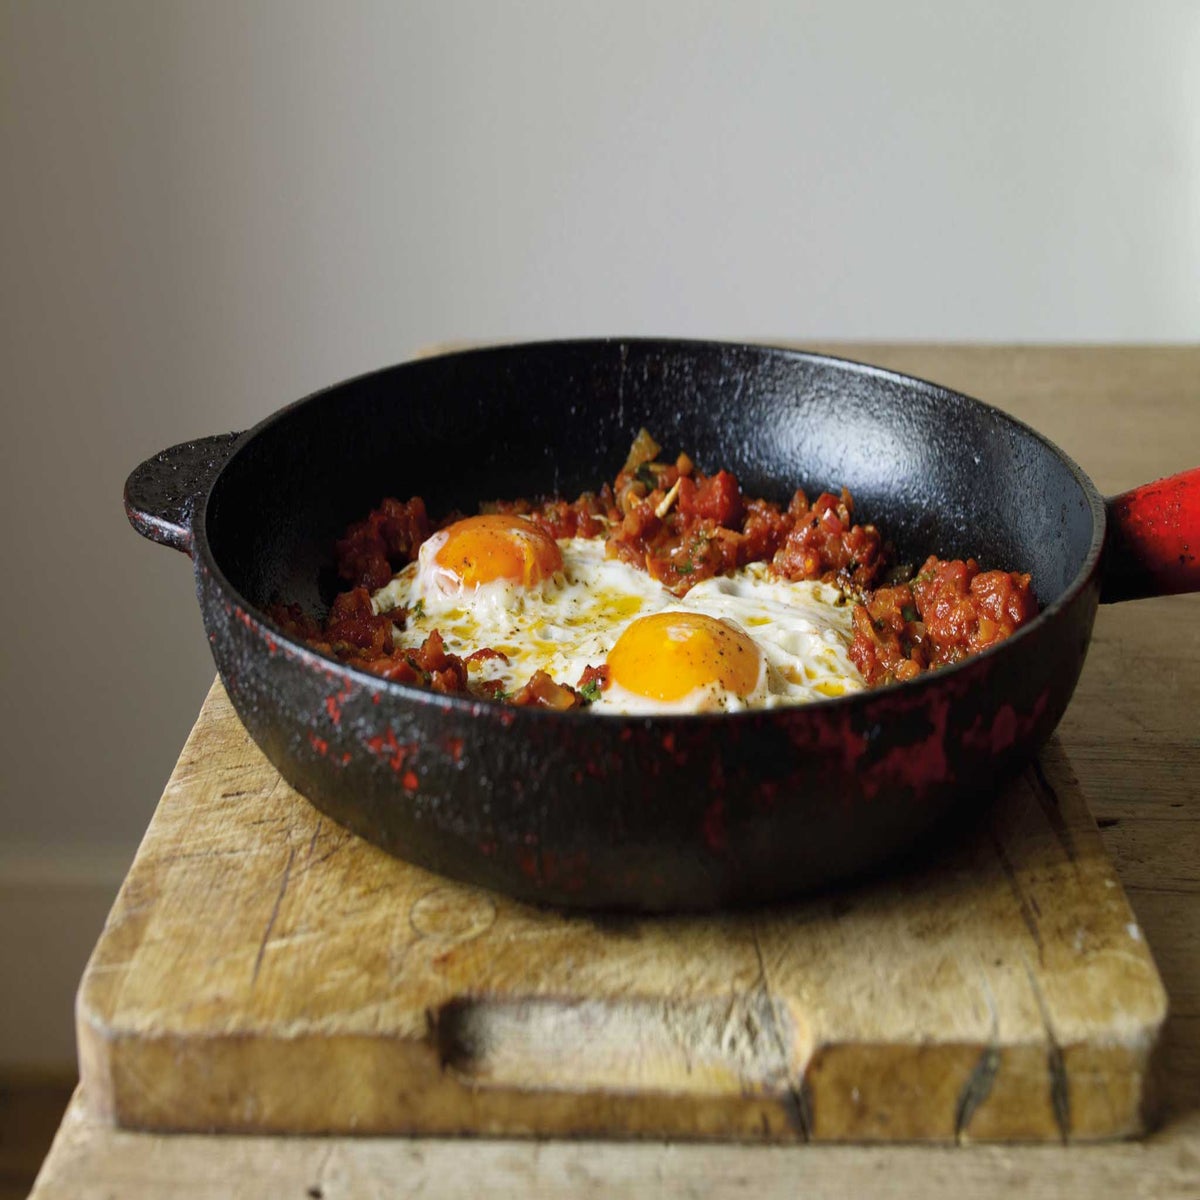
{"x": 663, "y": 812}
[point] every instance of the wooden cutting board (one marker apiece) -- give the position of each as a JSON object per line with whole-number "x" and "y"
{"x": 263, "y": 970}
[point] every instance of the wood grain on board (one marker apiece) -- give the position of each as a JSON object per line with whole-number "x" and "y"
{"x": 264, "y": 970}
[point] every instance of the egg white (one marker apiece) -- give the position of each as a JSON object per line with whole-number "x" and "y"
{"x": 803, "y": 628}
{"x": 573, "y": 619}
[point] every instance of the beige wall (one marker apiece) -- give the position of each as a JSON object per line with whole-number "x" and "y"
{"x": 209, "y": 209}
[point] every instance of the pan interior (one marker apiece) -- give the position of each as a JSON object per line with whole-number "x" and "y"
{"x": 937, "y": 472}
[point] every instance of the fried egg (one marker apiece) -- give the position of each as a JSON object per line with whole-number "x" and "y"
{"x": 733, "y": 643}
{"x": 685, "y": 661}
{"x": 490, "y": 562}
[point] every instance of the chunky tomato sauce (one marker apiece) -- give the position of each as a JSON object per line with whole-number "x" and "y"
{"x": 948, "y": 611}
{"x": 681, "y": 526}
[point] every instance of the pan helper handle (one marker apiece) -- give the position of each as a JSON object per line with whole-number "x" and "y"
{"x": 1153, "y": 544}
{"x": 162, "y": 494}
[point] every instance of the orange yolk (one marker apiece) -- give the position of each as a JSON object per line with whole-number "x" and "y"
{"x": 482, "y": 549}
{"x": 667, "y": 656}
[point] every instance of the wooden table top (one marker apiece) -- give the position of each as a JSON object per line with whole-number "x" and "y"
{"x": 1127, "y": 415}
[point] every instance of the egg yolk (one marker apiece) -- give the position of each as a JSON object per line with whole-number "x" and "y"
{"x": 497, "y": 547}
{"x": 667, "y": 656}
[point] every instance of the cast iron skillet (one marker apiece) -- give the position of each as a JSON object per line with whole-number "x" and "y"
{"x": 660, "y": 813}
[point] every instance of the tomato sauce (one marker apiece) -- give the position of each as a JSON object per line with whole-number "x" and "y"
{"x": 950, "y": 610}
{"x": 354, "y": 633}
{"x": 374, "y": 549}
{"x": 681, "y": 526}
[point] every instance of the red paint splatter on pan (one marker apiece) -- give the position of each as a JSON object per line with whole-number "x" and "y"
{"x": 527, "y": 862}
{"x": 1008, "y": 727}
{"x": 390, "y": 750}
{"x": 334, "y": 702}
{"x": 716, "y": 836}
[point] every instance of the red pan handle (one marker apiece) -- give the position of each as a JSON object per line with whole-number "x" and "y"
{"x": 162, "y": 493}
{"x": 1153, "y": 543}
